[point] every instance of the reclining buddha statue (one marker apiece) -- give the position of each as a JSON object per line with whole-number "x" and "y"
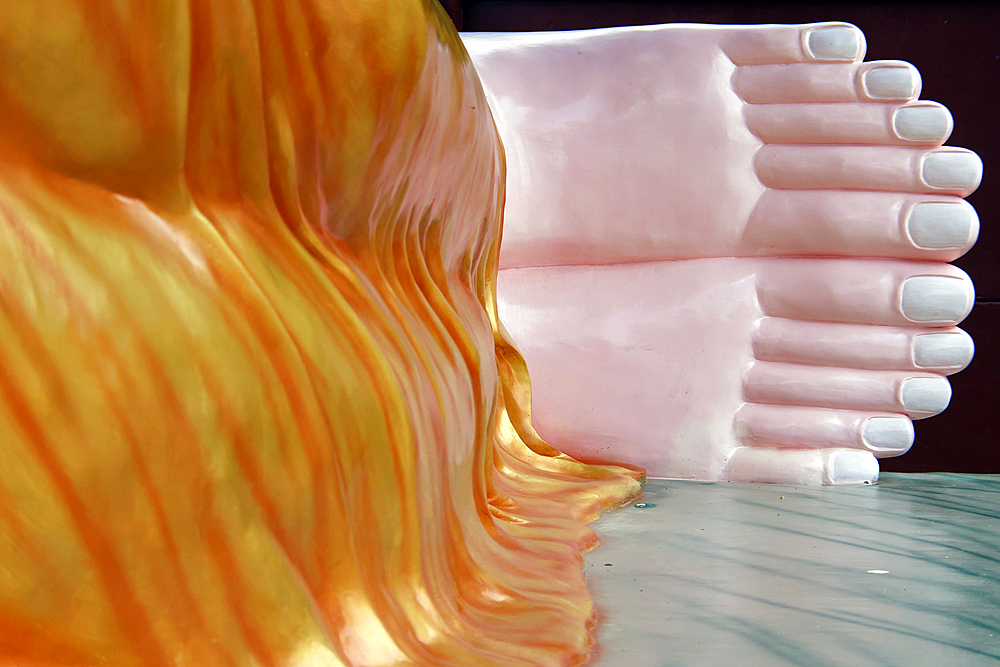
{"x": 257, "y": 403}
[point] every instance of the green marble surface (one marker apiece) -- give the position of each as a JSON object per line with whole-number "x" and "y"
{"x": 903, "y": 573}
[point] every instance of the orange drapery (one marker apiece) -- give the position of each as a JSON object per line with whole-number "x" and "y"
{"x": 256, "y": 406}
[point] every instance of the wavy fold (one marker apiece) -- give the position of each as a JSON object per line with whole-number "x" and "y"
{"x": 256, "y": 403}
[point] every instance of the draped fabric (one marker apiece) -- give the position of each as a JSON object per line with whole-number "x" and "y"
{"x": 256, "y": 407}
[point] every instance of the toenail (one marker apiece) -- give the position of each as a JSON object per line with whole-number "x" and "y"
{"x": 941, "y": 224}
{"x": 952, "y": 169}
{"x": 943, "y": 350}
{"x": 925, "y": 394}
{"x": 934, "y": 298}
{"x": 890, "y": 83}
{"x": 849, "y": 466}
{"x": 888, "y": 433}
{"x": 922, "y": 123}
{"x": 838, "y": 43}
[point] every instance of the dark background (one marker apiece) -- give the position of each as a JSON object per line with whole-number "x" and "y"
{"x": 957, "y": 50}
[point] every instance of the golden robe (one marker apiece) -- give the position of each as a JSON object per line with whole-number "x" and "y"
{"x": 256, "y": 407}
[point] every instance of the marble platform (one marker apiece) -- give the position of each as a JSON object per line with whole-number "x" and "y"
{"x": 903, "y": 573}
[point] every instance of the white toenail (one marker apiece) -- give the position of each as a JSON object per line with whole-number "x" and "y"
{"x": 853, "y": 467}
{"x": 888, "y": 433}
{"x": 925, "y": 394}
{"x": 922, "y": 123}
{"x": 840, "y": 43}
{"x": 941, "y": 224}
{"x": 943, "y": 350}
{"x": 934, "y": 298}
{"x": 890, "y": 83}
{"x": 951, "y": 169}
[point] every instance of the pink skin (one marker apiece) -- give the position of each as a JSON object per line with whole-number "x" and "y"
{"x": 710, "y": 243}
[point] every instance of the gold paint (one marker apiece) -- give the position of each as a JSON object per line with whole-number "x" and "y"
{"x": 256, "y": 406}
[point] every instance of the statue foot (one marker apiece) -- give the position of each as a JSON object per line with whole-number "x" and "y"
{"x": 739, "y": 369}
{"x": 710, "y": 247}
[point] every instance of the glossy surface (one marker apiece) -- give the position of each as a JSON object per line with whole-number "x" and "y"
{"x": 904, "y": 573}
{"x": 256, "y": 406}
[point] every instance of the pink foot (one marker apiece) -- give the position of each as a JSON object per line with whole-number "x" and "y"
{"x": 724, "y": 247}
